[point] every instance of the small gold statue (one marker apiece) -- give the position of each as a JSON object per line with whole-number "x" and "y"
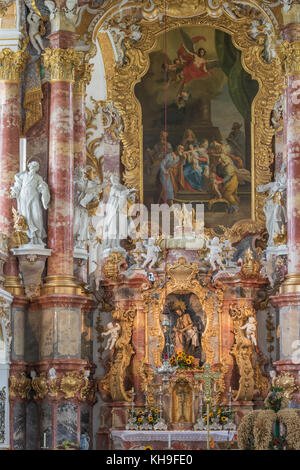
{"x": 19, "y": 236}
{"x": 280, "y": 238}
{"x": 251, "y": 267}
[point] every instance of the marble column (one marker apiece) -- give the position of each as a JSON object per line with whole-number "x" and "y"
{"x": 288, "y": 300}
{"x": 82, "y": 77}
{"x": 62, "y": 64}
{"x": 12, "y": 64}
{"x": 58, "y": 357}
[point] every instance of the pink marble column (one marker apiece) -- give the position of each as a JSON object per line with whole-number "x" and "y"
{"x": 80, "y": 148}
{"x": 292, "y": 123}
{"x": 62, "y": 64}
{"x": 12, "y": 65}
{"x": 288, "y": 300}
{"x": 79, "y": 126}
{"x": 61, "y": 169}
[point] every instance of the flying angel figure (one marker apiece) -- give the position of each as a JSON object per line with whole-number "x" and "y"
{"x": 195, "y": 65}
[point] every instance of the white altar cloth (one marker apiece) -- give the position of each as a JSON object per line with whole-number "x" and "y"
{"x": 196, "y": 436}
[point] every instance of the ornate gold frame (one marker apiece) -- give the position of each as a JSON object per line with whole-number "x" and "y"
{"x": 121, "y": 81}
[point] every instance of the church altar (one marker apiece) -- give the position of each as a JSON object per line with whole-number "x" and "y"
{"x": 172, "y": 440}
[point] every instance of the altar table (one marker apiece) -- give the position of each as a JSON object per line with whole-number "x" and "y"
{"x": 174, "y": 440}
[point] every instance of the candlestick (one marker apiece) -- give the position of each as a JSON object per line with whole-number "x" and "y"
{"x": 45, "y": 440}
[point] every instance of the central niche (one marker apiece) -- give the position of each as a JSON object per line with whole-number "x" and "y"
{"x": 184, "y": 321}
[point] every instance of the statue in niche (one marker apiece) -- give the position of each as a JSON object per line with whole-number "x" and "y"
{"x": 185, "y": 325}
{"x": 274, "y": 208}
{"x": 32, "y": 194}
{"x": 85, "y": 191}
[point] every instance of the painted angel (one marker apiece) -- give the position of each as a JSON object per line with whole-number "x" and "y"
{"x": 195, "y": 64}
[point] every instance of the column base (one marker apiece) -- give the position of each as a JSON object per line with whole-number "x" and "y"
{"x": 13, "y": 286}
{"x": 291, "y": 284}
{"x": 62, "y": 285}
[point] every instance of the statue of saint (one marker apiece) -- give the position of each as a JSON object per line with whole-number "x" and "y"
{"x": 115, "y": 226}
{"x": 85, "y": 191}
{"x": 32, "y": 192}
{"x": 274, "y": 208}
{"x": 186, "y": 334}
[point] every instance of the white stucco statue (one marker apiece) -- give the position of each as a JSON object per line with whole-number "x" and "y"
{"x": 152, "y": 253}
{"x": 32, "y": 194}
{"x": 215, "y": 250}
{"x": 250, "y": 330}
{"x": 85, "y": 191}
{"x": 112, "y": 333}
{"x": 115, "y": 221}
{"x": 35, "y": 37}
{"x": 274, "y": 208}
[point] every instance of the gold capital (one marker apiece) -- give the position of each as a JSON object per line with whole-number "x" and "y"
{"x": 83, "y": 75}
{"x": 12, "y": 65}
{"x": 289, "y": 53}
{"x": 62, "y": 63}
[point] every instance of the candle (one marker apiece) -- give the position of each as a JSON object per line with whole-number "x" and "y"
{"x": 215, "y": 387}
{"x": 201, "y": 386}
{"x": 146, "y": 388}
{"x": 229, "y": 389}
{"x": 45, "y": 440}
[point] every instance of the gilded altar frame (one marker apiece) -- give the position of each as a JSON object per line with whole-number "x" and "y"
{"x": 183, "y": 280}
{"x": 121, "y": 79}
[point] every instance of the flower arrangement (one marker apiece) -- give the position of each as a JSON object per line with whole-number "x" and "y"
{"x": 66, "y": 445}
{"x": 182, "y": 360}
{"x": 275, "y": 399}
{"x": 142, "y": 417}
{"x": 223, "y": 415}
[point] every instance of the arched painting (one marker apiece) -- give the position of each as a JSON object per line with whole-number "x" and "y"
{"x": 196, "y": 108}
{"x": 183, "y": 321}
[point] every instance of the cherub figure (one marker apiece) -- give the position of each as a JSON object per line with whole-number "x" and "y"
{"x": 152, "y": 254}
{"x": 112, "y": 333}
{"x": 35, "y": 37}
{"x": 215, "y": 250}
{"x": 250, "y": 328}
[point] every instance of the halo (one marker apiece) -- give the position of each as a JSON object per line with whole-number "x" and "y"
{"x": 33, "y": 159}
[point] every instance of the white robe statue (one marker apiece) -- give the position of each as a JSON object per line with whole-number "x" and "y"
{"x": 115, "y": 221}
{"x": 85, "y": 191}
{"x": 31, "y": 192}
{"x": 274, "y": 208}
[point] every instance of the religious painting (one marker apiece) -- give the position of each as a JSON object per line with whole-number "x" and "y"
{"x": 196, "y": 103}
{"x": 183, "y": 321}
